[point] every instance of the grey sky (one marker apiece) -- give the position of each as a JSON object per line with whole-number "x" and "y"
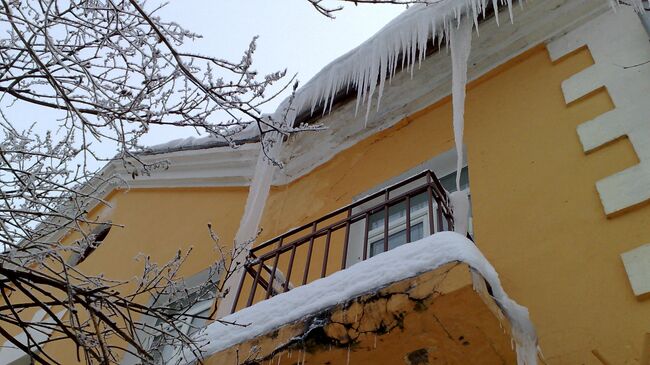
{"x": 292, "y": 35}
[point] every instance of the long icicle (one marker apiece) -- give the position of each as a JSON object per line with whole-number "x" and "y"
{"x": 258, "y": 194}
{"x": 461, "y": 43}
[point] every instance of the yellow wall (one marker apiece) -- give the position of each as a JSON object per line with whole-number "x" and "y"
{"x": 159, "y": 223}
{"x": 537, "y": 215}
{"x": 368, "y": 163}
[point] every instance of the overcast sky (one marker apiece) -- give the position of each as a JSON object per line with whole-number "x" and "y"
{"x": 292, "y": 36}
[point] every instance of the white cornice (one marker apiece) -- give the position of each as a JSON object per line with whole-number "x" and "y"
{"x": 219, "y": 166}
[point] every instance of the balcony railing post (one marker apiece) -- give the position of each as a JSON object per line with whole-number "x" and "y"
{"x": 408, "y": 219}
{"x": 327, "y": 252}
{"x": 346, "y": 240}
{"x": 289, "y": 269}
{"x": 365, "y": 236}
{"x": 239, "y": 289}
{"x": 386, "y": 208}
{"x": 432, "y": 228}
{"x": 439, "y": 213}
{"x": 449, "y": 216}
{"x": 309, "y": 250}
{"x": 269, "y": 290}
{"x": 256, "y": 280}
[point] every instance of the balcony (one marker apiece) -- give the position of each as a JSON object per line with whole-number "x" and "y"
{"x": 399, "y": 214}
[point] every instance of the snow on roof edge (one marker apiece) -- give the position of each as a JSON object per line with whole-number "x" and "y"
{"x": 370, "y": 65}
{"x": 367, "y": 66}
{"x": 406, "y": 34}
{"x": 246, "y": 135}
{"x": 380, "y": 271}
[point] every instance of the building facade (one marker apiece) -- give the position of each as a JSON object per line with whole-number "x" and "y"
{"x": 557, "y": 146}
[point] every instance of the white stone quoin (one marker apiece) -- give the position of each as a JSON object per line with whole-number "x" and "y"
{"x": 637, "y": 266}
{"x": 620, "y": 48}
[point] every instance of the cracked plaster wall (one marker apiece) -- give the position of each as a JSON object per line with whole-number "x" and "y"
{"x": 435, "y": 318}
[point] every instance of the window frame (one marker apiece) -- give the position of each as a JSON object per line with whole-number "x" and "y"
{"x": 399, "y": 225}
{"x": 148, "y": 322}
{"x": 187, "y": 327}
{"x": 443, "y": 165}
{"x": 98, "y": 235}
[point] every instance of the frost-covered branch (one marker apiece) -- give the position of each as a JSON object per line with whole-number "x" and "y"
{"x": 96, "y": 315}
{"x": 109, "y": 71}
{"x": 105, "y": 72}
{"x": 330, "y": 11}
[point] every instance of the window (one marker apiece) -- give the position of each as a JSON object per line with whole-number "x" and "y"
{"x": 192, "y": 312}
{"x": 397, "y": 225}
{"x": 191, "y": 308}
{"x": 444, "y": 167}
{"x": 449, "y": 180}
{"x": 95, "y": 238}
{"x": 397, "y": 218}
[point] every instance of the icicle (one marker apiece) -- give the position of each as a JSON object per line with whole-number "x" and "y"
{"x": 348, "y": 361}
{"x": 383, "y": 67}
{"x": 401, "y": 42}
{"x": 255, "y": 203}
{"x": 495, "y": 6}
{"x": 460, "y": 207}
{"x": 474, "y": 11}
{"x": 460, "y": 43}
{"x": 512, "y": 18}
{"x": 259, "y": 190}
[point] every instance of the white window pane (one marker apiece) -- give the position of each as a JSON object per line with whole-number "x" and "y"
{"x": 449, "y": 181}
{"x": 397, "y": 239}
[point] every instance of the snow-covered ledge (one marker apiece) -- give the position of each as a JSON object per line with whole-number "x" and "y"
{"x": 382, "y": 270}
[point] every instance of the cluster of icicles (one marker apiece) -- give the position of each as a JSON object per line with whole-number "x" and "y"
{"x": 401, "y": 44}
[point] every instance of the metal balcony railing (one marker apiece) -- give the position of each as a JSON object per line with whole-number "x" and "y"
{"x": 398, "y": 214}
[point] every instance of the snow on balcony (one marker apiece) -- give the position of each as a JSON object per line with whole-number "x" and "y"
{"x": 369, "y": 276}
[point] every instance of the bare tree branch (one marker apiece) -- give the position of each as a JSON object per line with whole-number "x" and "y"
{"x": 107, "y": 71}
